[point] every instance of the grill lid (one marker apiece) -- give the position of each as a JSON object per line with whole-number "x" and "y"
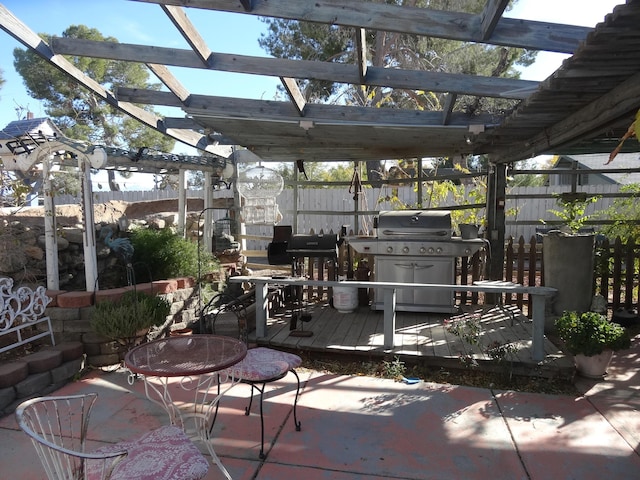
{"x": 424, "y": 224}
{"x": 313, "y": 245}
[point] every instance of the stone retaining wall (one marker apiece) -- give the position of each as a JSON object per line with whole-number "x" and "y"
{"x": 70, "y": 314}
{"x": 22, "y": 242}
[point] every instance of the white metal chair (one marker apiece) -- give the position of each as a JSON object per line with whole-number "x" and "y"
{"x": 58, "y": 429}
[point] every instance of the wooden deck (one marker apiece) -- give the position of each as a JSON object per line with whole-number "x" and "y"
{"x": 419, "y": 336}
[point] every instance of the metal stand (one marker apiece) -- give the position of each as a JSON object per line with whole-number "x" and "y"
{"x": 298, "y": 312}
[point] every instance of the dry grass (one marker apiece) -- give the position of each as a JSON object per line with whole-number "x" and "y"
{"x": 470, "y": 376}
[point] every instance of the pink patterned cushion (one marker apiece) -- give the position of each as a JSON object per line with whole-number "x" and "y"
{"x": 162, "y": 454}
{"x": 258, "y": 371}
{"x": 263, "y": 354}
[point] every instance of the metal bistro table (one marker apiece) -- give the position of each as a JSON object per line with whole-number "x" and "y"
{"x": 198, "y": 360}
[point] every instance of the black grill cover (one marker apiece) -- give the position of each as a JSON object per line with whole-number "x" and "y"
{"x": 277, "y": 253}
{"x": 277, "y": 249}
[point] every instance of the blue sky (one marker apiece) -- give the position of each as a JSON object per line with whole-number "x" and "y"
{"x": 227, "y": 33}
{"x": 127, "y": 22}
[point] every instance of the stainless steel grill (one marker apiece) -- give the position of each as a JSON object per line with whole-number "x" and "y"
{"x": 416, "y": 246}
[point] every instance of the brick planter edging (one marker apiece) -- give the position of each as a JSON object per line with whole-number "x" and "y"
{"x": 64, "y": 299}
{"x": 39, "y": 374}
{"x": 70, "y": 318}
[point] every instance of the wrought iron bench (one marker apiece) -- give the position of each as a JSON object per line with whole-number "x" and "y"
{"x": 21, "y": 311}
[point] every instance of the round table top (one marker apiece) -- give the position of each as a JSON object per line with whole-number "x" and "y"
{"x": 185, "y": 355}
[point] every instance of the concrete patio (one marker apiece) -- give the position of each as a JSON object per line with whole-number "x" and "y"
{"x": 357, "y": 427}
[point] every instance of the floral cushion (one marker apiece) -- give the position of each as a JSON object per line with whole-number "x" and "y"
{"x": 163, "y": 454}
{"x": 258, "y": 371}
{"x": 263, "y": 354}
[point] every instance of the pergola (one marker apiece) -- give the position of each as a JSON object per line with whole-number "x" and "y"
{"x": 586, "y": 106}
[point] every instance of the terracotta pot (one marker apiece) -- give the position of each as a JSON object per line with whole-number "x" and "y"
{"x": 594, "y": 366}
{"x": 180, "y": 332}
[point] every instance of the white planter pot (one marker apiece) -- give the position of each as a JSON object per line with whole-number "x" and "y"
{"x": 345, "y": 299}
{"x": 594, "y": 366}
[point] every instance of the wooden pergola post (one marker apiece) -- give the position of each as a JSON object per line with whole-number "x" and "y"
{"x": 496, "y": 191}
{"x": 182, "y": 203}
{"x": 50, "y": 230}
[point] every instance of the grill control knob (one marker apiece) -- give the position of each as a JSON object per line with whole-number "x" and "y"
{"x": 431, "y": 250}
{"x": 423, "y": 250}
{"x": 467, "y": 251}
{"x": 439, "y": 250}
{"x": 405, "y": 249}
{"x": 389, "y": 249}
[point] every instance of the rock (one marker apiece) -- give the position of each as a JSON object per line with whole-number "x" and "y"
{"x": 73, "y": 235}
{"x": 34, "y": 252}
{"x": 63, "y": 243}
{"x": 12, "y": 260}
{"x": 157, "y": 223}
{"x": 28, "y": 236}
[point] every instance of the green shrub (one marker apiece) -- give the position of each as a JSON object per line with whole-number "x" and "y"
{"x": 590, "y": 333}
{"x": 134, "y": 313}
{"x": 162, "y": 254}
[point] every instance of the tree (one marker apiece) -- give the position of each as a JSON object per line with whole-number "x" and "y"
{"x": 625, "y": 213}
{"x": 529, "y": 179}
{"x": 333, "y": 43}
{"x": 79, "y": 113}
{"x": 317, "y": 172}
{"x": 195, "y": 179}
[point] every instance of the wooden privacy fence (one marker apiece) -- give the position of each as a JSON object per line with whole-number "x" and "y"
{"x": 330, "y": 208}
{"x": 616, "y": 275}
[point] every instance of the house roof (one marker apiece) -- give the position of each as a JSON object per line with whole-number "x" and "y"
{"x": 585, "y": 106}
{"x": 597, "y": 163}
{"x": 18, "y": 128}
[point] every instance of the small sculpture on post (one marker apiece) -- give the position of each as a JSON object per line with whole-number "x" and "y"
{"x": 121, "y": 247}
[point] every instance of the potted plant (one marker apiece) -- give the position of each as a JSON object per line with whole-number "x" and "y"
{"x": 572, "y": 210}
{"x": 591, "y": 338}
{"x": 128, "y": 320}
{"x": 568, "y": 254}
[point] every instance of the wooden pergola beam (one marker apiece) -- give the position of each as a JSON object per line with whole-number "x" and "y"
{"x": 496, "y": 87}
{"x": 465, "y": 27}
{"x": 296, "y": 96}
{"x": 179, "y": 18}
{"x": 361, "y": 48}
{"x": 491, "y": 16}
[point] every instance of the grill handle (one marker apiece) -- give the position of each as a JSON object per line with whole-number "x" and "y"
{"x": 413, "y": 265}
{"x": 404, "y": 233}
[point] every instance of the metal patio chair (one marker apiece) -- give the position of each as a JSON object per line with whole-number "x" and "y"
{"x": 262, "y": 366}
{"x": 58, "y": 429}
